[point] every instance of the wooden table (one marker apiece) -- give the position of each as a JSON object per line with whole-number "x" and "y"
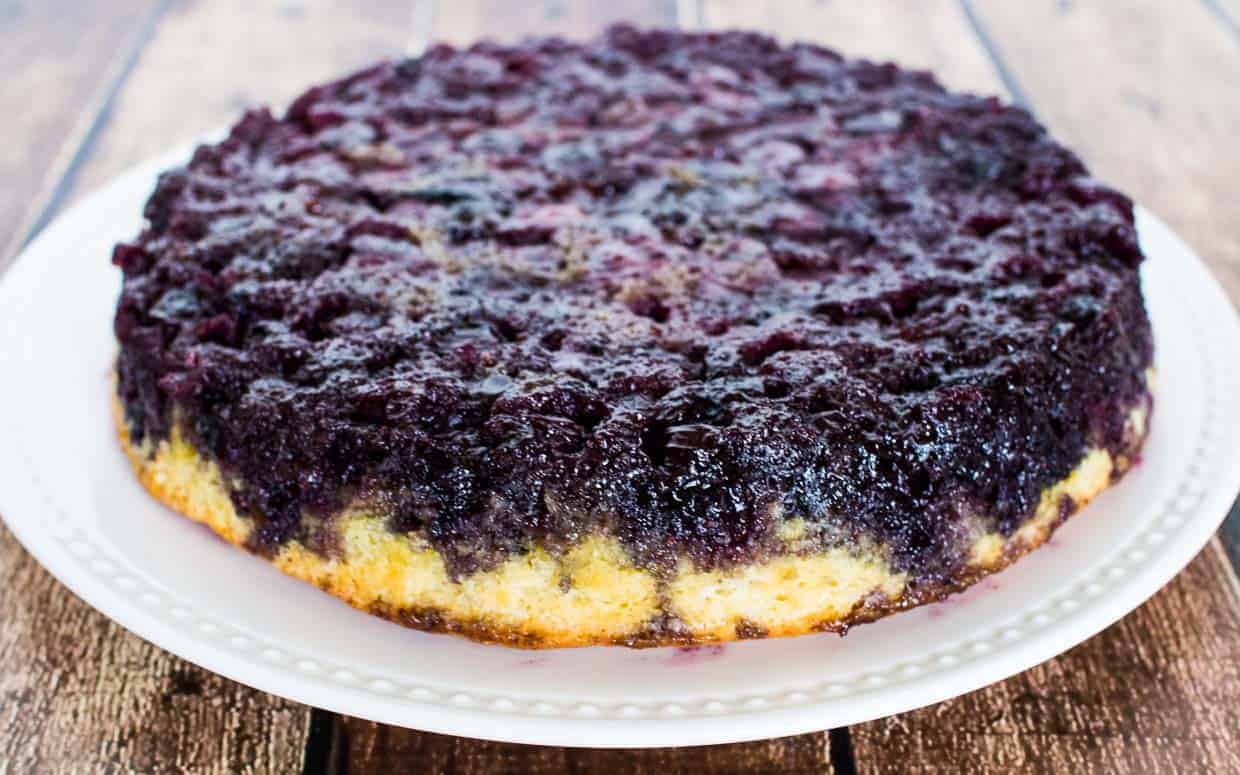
{"x": 1147, "y": 91}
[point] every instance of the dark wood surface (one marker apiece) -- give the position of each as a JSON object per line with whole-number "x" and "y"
{"x": 1145, "y": 90}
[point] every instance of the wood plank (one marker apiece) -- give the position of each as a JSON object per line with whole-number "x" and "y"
{"x": 368, "y": 747}
{"x": 64, "y": 70}
{"x": 464, "y": 21}
{"x": 1146, "y": 92}
{"x": 1159, "y": 690}
{"x": 933, "y": 35}
{"x": 1166, "y": 76}
{"x": 76, "y": 689}
{"x": 363, "y": 746}
{"x": 211, "y": 60}
{"x": 77, "y": 692}
{"x": 883, "y": 30}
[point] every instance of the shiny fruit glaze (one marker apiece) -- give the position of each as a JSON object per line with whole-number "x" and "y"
{"x": 678, "y": 287}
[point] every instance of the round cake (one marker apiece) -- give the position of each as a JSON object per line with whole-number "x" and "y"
{"x": 660, "y": 338}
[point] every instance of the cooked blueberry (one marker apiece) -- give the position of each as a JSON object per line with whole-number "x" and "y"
{"x": 674, "y": 285}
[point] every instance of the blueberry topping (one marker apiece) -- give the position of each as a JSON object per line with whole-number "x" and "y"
{"x": 679, "y": 287}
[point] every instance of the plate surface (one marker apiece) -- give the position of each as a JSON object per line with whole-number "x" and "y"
{"x": 68, "y": 494}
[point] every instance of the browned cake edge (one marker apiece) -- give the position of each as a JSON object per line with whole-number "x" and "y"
{"x": 593, "y": 594}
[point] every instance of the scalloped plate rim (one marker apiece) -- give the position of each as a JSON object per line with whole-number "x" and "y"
{"x": 19, "y": 504}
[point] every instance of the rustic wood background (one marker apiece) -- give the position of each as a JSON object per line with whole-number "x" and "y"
{"x": 1147, "y": 91}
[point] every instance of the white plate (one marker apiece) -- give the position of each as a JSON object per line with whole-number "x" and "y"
{"x": 69, "y": 496}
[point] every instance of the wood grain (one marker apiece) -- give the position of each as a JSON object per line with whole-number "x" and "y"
{"x": 938, "y": 36}
{"x": 1157, "y": 116}
{"x": 77, "y": 692}
{"x": 461, "y": 22}
{"x": 211, "y": 59}
{"x": 359, "y": 746}
{"x": 65, "y": 72}
{"x": 367, "y": 747}
{"x": 933, "y": 34}
{"x": 1160, "y": 690}
{"x": 1146, "y": 92}
{"x": 1157, "y": 692}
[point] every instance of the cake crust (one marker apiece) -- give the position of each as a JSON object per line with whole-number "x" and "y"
{"x": 658, "y": 337}
{"x": 529, "y": 603}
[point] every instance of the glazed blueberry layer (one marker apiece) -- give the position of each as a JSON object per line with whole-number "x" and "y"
{"x": 675, "y": 286}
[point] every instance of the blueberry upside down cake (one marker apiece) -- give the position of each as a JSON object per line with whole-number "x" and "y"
{"x": 658, "y": 338}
